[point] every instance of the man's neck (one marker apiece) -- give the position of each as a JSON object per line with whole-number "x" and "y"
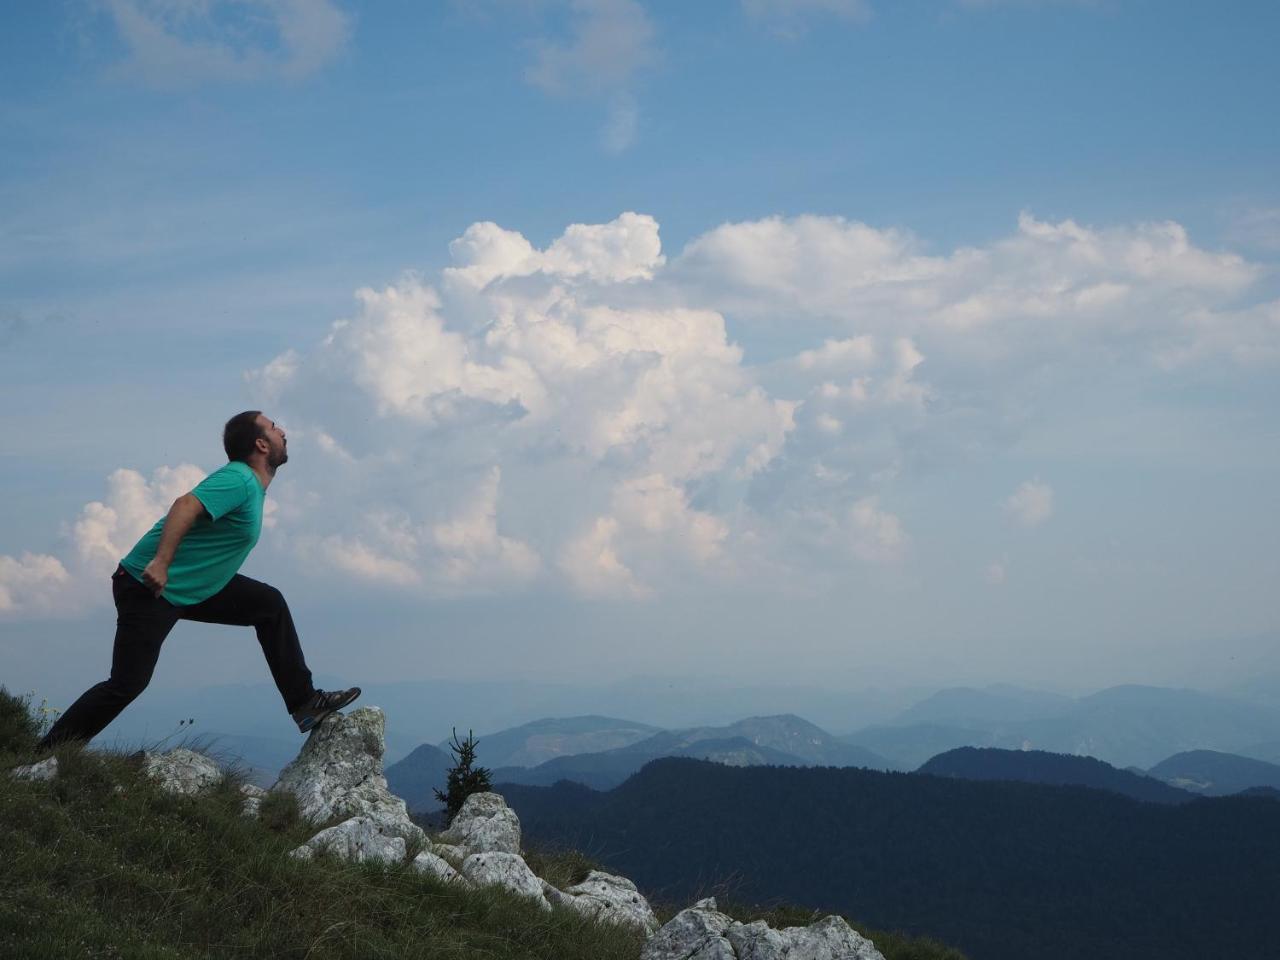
{"x": 265, "y": 472}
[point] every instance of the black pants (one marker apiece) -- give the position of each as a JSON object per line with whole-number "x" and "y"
{"x": 143, "y": 620}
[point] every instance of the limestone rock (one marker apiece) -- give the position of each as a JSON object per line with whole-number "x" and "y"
{"x": 505, "y": 870}
{"x": 757, "y": 941}
{"x": 432, "y": 865}
{"x": 44, "y": 770}
{"x": 182, "y": 771}
{"x": 338, "y": 773}
{"x": 828, "y": 939}
{"x": 253, "y": 795}
{"x": 604, "y": 896}
{"x": 450, "y": 852}
{"x": 696, "y": 933}
{"x": 485, "y": 824}
{"x": 359, "y": 839}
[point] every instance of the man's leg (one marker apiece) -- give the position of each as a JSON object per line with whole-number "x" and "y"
{"x": 250, "y": 603}
{"x": 143, "y": 620}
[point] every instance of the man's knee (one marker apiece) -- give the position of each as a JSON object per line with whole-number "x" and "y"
{"x": 123, "y": 690}
{"x": 270, "y": 602}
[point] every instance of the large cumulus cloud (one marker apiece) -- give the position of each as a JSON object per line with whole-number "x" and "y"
{"x": 599, "y": 418}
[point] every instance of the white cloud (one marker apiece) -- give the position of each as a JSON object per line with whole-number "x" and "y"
{"x": 877, "y": 535}
{"x": 38, "y": 585}
{"x": 996, "y": 573}
{"x": 592, "y": 565}
{"x": 1031, "y": 504}
{"x": 470, "y": 549}
{"x": 581, "y": 416}
{"x": 611, "y": 42}
{"x": 178, "y": 42}
{"x": 625, "y": 249}
{"x": 106, "y": 530}
{"x": 33, "y": 584}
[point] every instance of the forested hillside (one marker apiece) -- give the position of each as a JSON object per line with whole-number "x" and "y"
{"x": 1006, "y": 871}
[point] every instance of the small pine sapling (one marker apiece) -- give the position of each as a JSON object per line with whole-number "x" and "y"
{"x": 464, "y": 778}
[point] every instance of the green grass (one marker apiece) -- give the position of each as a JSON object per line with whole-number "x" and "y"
{"x": 101, "y": 863}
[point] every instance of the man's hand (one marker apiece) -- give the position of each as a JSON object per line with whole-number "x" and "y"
{"x": 155, "y": 575}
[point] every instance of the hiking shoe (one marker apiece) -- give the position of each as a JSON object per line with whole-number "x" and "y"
{"x": 322, "y": 704}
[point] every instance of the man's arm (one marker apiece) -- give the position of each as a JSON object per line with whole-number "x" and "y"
{"x": 184, "y": 512}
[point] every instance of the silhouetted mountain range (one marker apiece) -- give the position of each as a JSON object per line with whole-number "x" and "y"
{"x": 1037, "y": 766}
{"x": 533, "y": 743}
{"x": 1124, "y": 726}
{"x": 1216, "y": 774}
{"x": 1004, "y": 870}
{"x": 783, "y": 740}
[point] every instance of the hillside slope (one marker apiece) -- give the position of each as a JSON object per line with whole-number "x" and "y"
{"x": 1004, "y": 870}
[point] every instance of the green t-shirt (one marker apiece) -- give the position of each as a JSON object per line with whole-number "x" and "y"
{"x": 217, "y": 543}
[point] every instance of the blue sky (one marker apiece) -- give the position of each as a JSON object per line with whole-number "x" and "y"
{"x": 902, "y": 343}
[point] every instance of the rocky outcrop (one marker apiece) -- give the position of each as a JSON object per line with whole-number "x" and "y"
{"x": 603, "y": 896}
{"x": 338, "y": 774}
{"x": 506, "y": 870}
{"x": 697, "y": 933}
{"x": 704, "y": 933}
{"x": 485, "y": 824}
{"x": 182, "y": 771}
{"x": 359, "y": 839}
{"x": 340, "y": 771}
{"x": 44, "y": 770}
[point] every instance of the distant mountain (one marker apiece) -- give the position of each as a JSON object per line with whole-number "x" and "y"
{"x": 1143, "y": 725}
{"x": 909, "y": 746}
{"x": 792, "y": 735}
{"x": 541, "y": 740}
{"x": 1215, "y": 774}
{"x": 603, "y": 771}
{"x": 756, "y": 740}
{"x": 999, "y": 704}
{"x": 416, "y": 778}
{"x": 1004, "y": 871}
{"x": 1037, "y": 766}
{"x": 1124, "y": 726}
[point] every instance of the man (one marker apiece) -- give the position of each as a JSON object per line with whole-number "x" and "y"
{"x": 185, "y": 568}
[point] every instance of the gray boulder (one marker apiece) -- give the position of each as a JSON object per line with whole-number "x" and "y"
{"x": 603, "y": 896}
{"x": 434, "y": 866}
{"x": 757, "y": 941}
{"x": 359, "y": 839}
{"x": 44, "y": 770}
{"x": 182, "y": 771}
{"x": 450, "y": 852}
{"x": 338, "y": 773}
{"x": 695, "y": 933}
{"x": 828, "y": 939}
{"x": 485, "y": 824}
{"x": 507, "y": 870}
{"x": 253, "y": 795}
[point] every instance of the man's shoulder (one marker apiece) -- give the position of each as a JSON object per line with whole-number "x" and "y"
{"x": 232, "y": 470}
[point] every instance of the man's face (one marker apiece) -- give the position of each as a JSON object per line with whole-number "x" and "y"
{"x": 277, "y": 445}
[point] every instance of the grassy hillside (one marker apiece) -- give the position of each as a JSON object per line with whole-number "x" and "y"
{"x": 101, "y": 863}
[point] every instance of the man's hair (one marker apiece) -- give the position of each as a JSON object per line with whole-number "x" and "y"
{"x": 240, "y": 434}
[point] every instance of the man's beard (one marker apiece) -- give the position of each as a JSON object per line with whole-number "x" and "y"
{"x": 278, "y": 460}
